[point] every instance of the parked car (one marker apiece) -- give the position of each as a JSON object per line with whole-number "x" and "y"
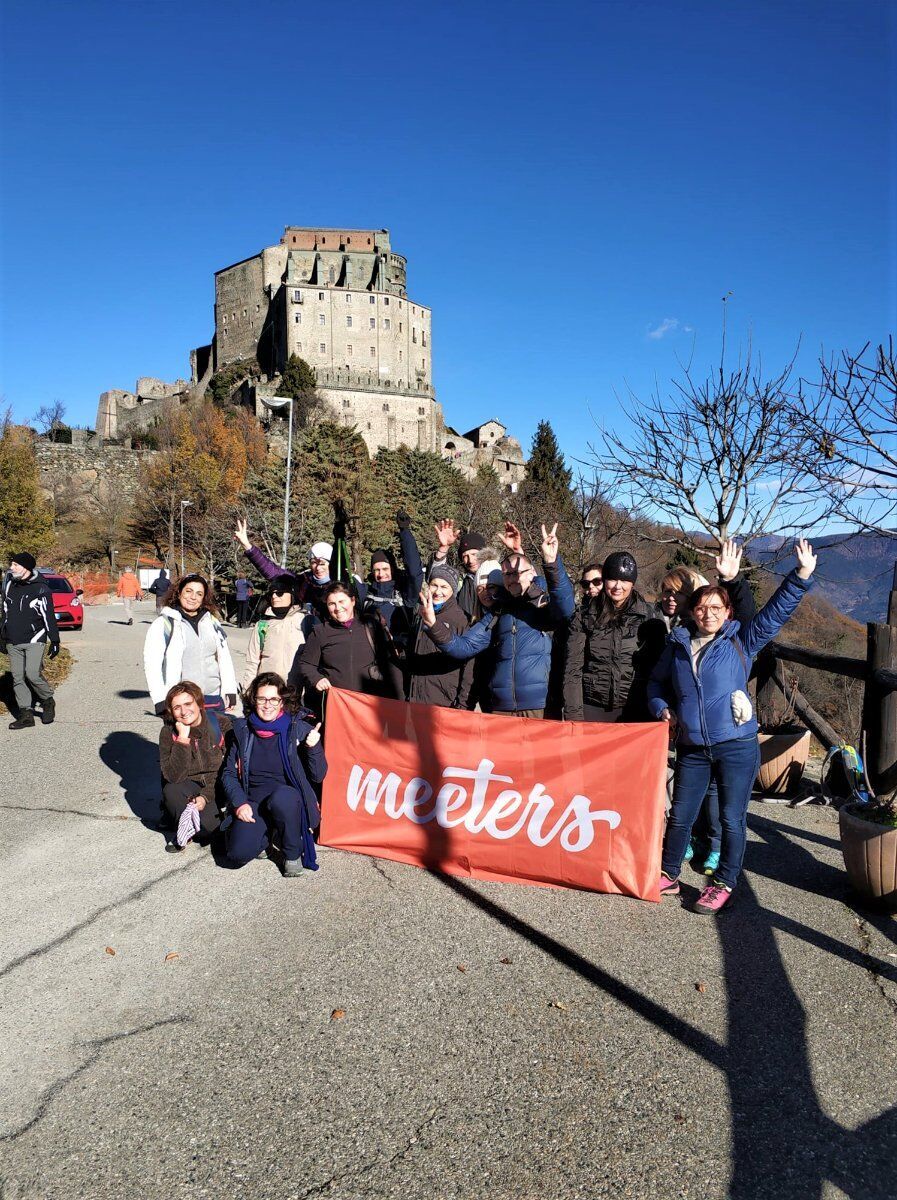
{"x": 66, "y": 601}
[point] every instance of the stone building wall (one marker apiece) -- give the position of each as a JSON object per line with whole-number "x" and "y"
{"x": 85, "y": 473}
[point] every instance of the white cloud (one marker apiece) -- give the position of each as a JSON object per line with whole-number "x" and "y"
{"x": 667, "y": 325}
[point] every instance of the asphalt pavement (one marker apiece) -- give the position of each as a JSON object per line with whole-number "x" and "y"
{"x": 171, "y": 1028}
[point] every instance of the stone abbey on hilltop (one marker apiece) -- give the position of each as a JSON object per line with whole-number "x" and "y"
{"x": 336, "y": 298}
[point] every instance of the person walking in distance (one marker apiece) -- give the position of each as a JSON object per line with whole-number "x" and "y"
{"x": 28, "y": 626}
{"x": 128, "y": 589}
{"x": 242, "y": 592}
{"x": 160, "y": 588}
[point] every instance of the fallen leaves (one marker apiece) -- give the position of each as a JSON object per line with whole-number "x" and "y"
{"x": 506, "y": 961}
{"x": 172, "y": 956}
{"x": 109, "y": 950}
{"x": 462, "y": 968}
{"x": 701, "y": 987}
{"x": 337, "y": 1014}
{"x": 558, "y": 1004}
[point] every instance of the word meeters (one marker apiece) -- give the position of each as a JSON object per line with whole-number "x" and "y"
{"x": 464, "y": 800}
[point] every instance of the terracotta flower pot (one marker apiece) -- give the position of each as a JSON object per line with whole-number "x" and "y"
{"x": 870, "y": 855}
{"x": 783, "y": 756}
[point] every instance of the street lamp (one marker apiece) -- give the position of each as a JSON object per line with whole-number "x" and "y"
{"x": 281, "y": 402}
{"x": 184, "y": 504}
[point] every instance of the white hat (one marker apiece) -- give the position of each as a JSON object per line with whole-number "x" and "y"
{"x": 321, "y": 550}
{"x": 485, "y": 569}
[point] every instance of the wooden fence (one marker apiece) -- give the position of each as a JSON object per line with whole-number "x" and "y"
{"x": 878, "y": 671}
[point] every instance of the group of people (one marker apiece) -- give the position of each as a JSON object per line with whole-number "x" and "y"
{"x": 495, "y": 632}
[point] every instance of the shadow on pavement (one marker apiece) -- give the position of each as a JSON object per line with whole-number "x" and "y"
{"x": 135, "y": 759}
{"x": 132, "y": 694}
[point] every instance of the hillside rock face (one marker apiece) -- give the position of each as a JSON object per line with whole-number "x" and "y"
{"x": 855, "y": 571}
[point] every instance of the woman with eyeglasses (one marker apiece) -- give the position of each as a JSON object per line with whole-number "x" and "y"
{"x": 700, "y": 687}
{"x": 270, "y": 778}
{"x": 187, "y": 641}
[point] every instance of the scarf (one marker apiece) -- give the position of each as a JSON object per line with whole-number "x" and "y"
{"x": 280, "y": 728}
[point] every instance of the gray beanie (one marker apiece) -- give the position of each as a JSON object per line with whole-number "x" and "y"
{"x": 449, "y": 574}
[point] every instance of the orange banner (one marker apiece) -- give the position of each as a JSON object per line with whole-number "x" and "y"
{"x": 493, "y": 797}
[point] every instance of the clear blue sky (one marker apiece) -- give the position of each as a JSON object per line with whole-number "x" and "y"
{"x": 565, "y": 181}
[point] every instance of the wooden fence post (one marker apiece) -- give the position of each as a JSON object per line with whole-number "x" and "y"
{"x": 880, "y": 701}
{"x": 768, "y": 695}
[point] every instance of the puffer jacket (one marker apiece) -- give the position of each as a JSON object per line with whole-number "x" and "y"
{"x": 274, "y": 643}
{"x": 28, "y": 613}
{"x": 702, "y": 700}
{"x": 608, "y": 665}
{"x": 308, "y": 766}
{"x": 518, "y": 631}
{"x": 434, "y": 677}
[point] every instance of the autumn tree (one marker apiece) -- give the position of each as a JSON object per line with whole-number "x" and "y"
{"x": 26, "y": 523}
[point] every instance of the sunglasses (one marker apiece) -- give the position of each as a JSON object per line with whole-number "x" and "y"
{"x": 593, "y": 582}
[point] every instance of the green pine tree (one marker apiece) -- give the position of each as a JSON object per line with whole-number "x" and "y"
{"x": 546, "y": 495}
{"x": 298, "y": 380}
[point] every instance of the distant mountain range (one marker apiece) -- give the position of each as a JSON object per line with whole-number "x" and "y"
{"x": 855, "y": 571}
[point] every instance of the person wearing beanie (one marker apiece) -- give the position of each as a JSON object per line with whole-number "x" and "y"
{"x": 516, "y": 631}
{"x": 391, "y": 593}
{"x": 279, "y": 635}
{"x": 615, "y": 640}
{"x": 310, "y": 585}
{"x": 472, "y": 550}
{"x": 432, "y": 677}
{"x": 28, "y": 627}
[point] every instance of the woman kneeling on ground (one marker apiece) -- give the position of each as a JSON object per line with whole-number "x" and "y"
{"x": 270, "y": 775}
{"x": 192, "y": 746}
{"x": 700, "y": 687}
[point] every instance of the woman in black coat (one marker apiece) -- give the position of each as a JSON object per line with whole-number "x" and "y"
{"x": 433, "y": 677}
{"x": 347, "y": 651}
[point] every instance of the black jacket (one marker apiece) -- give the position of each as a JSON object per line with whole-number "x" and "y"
{"x": 28, "y": 614}
{"x": 356, "y": 658}
{"x": 433, "y": 677}
{"x": 608, "y": 664}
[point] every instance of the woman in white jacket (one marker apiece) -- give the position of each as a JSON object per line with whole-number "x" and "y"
{"x": 187, "y": 642}
{"x": 279, "y": 634}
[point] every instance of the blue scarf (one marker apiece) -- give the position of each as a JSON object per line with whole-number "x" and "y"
{"x": 280, "y": 727}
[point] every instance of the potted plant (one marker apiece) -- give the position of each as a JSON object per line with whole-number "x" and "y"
{"x": 784, "y": 749}
{"x": 869, "y": 846}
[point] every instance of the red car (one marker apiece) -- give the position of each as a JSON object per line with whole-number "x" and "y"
{"x": 66, "y": 601}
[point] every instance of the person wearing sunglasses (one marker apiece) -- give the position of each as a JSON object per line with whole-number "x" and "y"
{"x": 699, "y": 686}
{"x": 591, "y": 582}
{"x": 273, "y": 770}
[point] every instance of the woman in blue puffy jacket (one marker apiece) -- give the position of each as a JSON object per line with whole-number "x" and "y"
{"x": 700, "y": 686}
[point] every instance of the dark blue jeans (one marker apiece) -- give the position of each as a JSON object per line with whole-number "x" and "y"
{"x": 733, "y": 767}
{"x": 279, "y": 813}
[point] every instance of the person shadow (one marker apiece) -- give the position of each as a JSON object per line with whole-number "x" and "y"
{"x": 135, "y": 760}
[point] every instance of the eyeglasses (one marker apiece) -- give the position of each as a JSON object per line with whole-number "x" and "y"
{"x": 267, "y": 702}
{"x": 709, "y": 610}
{"x": 595, "y": 581}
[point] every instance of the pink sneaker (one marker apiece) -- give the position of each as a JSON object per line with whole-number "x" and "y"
{"x": 712, "y": 899}
{"x": 668, "y": 887}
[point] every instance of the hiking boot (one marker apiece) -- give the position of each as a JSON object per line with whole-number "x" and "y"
{"x": 714, "y": 897}
{"x": 668, "y": 887}
{"x": 293, "y": 868}
{"x": 173, "y": 848}
{"x": 25, "y": 720}
{"x": 711, "y": 862}
{"x": 48, "y": 712}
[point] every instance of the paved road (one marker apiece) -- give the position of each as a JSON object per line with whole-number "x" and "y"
{"x": 591, "y": 1046}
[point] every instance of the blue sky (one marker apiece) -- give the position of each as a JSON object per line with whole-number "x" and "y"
{"x": 565, "y": 181}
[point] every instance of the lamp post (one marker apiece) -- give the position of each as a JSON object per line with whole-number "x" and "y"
{"x": 281, "y": 402}
{"x": 184, "y": 504}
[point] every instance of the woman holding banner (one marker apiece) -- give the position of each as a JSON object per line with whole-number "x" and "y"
{"x": 700, "y": 687}
{"x": 347, "y": 651}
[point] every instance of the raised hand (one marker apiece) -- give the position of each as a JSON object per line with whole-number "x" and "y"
{"x": 447, "y": 534}
{"x": 806, "y": 559}
{"x": 426, "y": 609}
{"x": 512, "y": 538}
{"x": 550, "y": 543}
{"x": 728, "y": 561}
{"x": 314, "y": 735}
{"x": 241, "y": 535}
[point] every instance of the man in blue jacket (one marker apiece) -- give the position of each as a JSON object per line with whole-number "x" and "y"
{"x": 523, "y": 613}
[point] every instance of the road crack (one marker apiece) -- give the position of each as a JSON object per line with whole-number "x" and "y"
{"x": 390, "y": 882}
{"x": 870, "y": 963}
{"x": 96, "y": 1047}
{"x": 357, "y": 1173}
{"x": 69, "y": 812}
